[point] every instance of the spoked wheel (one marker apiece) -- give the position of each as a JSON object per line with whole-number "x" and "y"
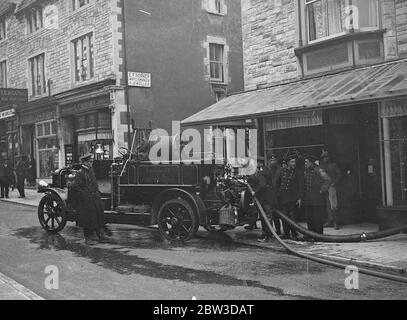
{"x": 51, "y": 213}
{"x": 177, "y": 220}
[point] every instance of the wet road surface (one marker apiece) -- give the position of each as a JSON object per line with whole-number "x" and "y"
{"x": 137, "y": 264}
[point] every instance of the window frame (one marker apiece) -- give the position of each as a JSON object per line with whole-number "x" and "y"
{"x": 216, "y": 62}
{"x": 3, "y": 28}
{"x": 73, "y": 5}
{"x": 74, "y": 58}
{"x": 3, "y": 81}
{"x": 33, "y": 89}
{"x": 37, "y": 10}
{"x": 216, "y": 7}
{"x": 305, "y": 15}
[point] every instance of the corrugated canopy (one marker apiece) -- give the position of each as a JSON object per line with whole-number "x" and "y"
{"x": 357, "y": 85}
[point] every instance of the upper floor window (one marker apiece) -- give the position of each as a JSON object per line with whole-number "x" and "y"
{"x": 83, "y": 58}
{"x": 3, "y": 33}
{"x": 3, "y": 74}
{"x": 328, "y": 18}
{"x": 77, "y": 4}
{"x": 34, "y": 19}
{"x": 216, "y": 6}
{"x": 216, "y": 59}
{"x": 37, "y": 75}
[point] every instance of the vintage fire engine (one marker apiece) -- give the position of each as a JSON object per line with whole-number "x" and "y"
{"x": 178, "y": 198}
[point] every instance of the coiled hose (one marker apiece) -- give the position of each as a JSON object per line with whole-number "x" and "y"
{"x": 373, "y": 273}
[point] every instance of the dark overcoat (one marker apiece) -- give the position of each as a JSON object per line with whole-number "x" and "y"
{"x": 6, "y": 175}
{"x": 87, "y": 201}
{"x": 316, "y": 185}
{"x": 291, "y": 188}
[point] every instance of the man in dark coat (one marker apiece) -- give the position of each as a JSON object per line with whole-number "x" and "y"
{"x": 88, "y": 202}
{"x": 290, "y": 194}
{"x": 316, "y": 185}
{"x": 275, "y": 183}
{"x": 260, "y": 184}
{"x": 6, "y": 179}
{"x": 331, "y": 198}
{"x": 21, "y": 173}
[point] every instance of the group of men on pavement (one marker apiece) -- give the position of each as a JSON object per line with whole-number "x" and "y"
{"x": 13, "y": 177}
{"x": 287, "y": 188}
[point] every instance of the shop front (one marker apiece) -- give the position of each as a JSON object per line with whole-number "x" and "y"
{"x": 38, "y": 129}
{"x": 351, "y": 136}
{"x": 359, "y": 116}
{"x": 87, "y": 128}
{"x": 8, "y": 135}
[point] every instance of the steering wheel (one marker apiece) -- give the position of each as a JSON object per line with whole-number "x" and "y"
{"x": 123, "y": 151}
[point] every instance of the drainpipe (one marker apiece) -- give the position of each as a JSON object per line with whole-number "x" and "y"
{"x": 126, "y": 75}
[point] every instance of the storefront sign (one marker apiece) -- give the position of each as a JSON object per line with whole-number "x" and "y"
{"x": 7, "y": 113}
{"x": 294, "y": 120}
{"x": 85, "y": 106}
{"x": 34, "y": 117}
{"x": 139, "y": 79}
{"x": 395, "y": 108}
{"x": 9, "y": 96}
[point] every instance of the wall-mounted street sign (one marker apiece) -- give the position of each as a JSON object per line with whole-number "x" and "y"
{"x": 139, "y": 79}
{"x": 13, "y": 96}
{"x": 7, "y": 113}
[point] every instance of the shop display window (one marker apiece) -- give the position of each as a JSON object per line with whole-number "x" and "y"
{"x": 395, "y": 154}
{"x": 47, "y": 146}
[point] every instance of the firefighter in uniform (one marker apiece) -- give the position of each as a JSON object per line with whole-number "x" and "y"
{"x": 88, "y": 202}
{"x": 259, "y": 182}
{"x": 316, "y": 185}
{"x": 290, "y": 194}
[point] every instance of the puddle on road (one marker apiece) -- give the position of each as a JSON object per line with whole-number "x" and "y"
{"x": 115, "y": 258}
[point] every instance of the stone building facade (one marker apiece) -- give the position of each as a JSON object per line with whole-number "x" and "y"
{"x": 66, "y": 54}
{"x": 273, "y": 29}
{"x": 70, "y": 57}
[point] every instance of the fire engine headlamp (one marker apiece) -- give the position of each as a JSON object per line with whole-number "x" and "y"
{"x": 42, "y": 184}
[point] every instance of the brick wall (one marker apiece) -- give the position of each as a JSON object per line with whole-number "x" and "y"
{"x": 401, "y": 27}
{"x": 269, "y": 38}
{"x": 99, "y": 17}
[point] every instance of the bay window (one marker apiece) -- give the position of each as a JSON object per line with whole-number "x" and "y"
{"x": 329, "y": 18}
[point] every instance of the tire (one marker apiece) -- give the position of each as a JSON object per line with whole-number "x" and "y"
{"x": 51, "y": 213}
{"x": 177, "y": 221}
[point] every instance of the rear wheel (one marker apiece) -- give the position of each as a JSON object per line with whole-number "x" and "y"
{"x": 177, "y": 220}
{"x": 51, "y": 213}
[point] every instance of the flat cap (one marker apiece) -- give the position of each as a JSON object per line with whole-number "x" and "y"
{"x": 86, "y": 157}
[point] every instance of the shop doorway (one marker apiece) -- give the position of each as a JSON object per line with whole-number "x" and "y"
{"x": 351, "y": 137}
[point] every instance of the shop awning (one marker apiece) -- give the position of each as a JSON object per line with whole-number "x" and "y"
{"x": 358, "y": 85}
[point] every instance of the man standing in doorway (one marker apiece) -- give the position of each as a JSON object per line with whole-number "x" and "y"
{"x": 316, "y": 185}
{"x": 331, "y": 197}
{"x": 290, "y": 194}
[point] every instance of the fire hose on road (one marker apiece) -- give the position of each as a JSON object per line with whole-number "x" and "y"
{"x": 314, "y": 235}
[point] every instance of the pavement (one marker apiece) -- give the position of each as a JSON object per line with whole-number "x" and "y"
{"x": 12, "y": 290}
{"x": 389, "y": 254}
